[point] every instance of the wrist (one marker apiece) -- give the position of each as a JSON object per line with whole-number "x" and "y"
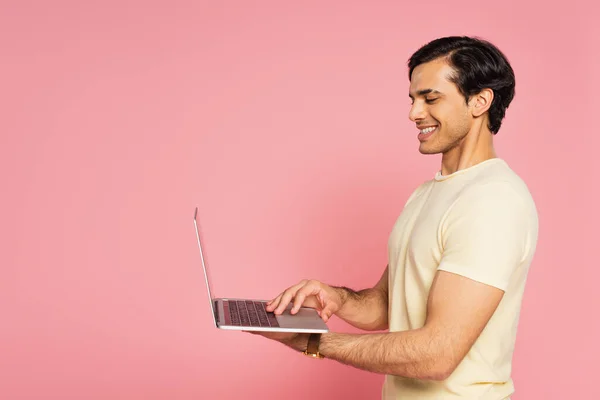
{"x": 298, "y": 342}
{"x": 312, "y": 349}
{"x": 342, "y": 294}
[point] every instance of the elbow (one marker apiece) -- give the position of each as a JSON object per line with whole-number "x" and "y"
{"x": 440, "y": 374}
{"x": 378, "y": 326}
{"x": 372, "y": 327}
{"x": 438, "y": 369}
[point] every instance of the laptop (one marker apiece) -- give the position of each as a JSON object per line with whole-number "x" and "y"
{"x": 251, "y": 315}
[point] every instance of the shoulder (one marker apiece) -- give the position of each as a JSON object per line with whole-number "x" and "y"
{"x": 498, "y": 184}
{"x": 495, "y": 203}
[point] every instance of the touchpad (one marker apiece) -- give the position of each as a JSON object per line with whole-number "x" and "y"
{"x": 302, "y": 317}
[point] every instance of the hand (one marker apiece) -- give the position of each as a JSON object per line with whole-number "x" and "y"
{"x": 314, "y": 294}
{"x": 278, "y": 336}
{"x": 297, "y": 341}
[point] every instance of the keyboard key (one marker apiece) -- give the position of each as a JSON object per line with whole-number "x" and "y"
{"x": 253, "y": 313}
{"x": 262, "y": 314}
{"x": 250, "y": 313}
{"x": 244, "y": 318}
{"x": 272, "y": 320}
{"x": 234, "y": 313}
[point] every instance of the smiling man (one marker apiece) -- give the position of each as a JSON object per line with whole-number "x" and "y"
{"x": 458, "y": 255}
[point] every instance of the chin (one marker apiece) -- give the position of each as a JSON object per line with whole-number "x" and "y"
{"x": 424, "y": 149}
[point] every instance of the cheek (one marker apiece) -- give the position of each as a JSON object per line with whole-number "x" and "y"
{"x": 440, "y": 114}
{"x": 456, "y": 118}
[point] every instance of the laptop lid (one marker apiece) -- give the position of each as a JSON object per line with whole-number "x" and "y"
{"x": 210, "y": 298}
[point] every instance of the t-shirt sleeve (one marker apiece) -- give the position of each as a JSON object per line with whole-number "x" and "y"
{"x": 484, "y": 234}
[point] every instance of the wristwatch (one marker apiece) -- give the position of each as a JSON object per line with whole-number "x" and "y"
{"x": 312, "y": 350}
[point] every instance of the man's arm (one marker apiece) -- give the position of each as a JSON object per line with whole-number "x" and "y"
{"x": 366, "y": 309}
{"x": 458, "y": 310}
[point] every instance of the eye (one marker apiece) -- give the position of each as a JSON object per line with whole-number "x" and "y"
{"x": 431, "y": 101}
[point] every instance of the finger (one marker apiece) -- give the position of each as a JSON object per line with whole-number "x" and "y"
{"x": 307, "y": 290}
{"x": 285, "y": 300}
{"x": 298, "y": 300}
{"x": 288, "y": 295}
{"x": 271, "y": 305}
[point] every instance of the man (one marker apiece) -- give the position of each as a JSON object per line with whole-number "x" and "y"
{"x": 459, "y": 252}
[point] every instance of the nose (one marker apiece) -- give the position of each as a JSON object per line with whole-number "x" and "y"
{"x": 416, "y": 112}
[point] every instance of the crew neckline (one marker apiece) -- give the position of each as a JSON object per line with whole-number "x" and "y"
{"x": 439, "y": 177}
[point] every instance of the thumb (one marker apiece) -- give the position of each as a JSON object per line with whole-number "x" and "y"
{"x": 326, "y": 313}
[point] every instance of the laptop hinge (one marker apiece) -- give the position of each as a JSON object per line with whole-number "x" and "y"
{"x": 216, "y": 308}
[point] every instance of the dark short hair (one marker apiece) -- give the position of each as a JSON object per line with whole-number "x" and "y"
{"x": 478, "y": 65}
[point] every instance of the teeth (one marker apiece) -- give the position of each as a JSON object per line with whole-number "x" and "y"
{"x": 427, "y": 130}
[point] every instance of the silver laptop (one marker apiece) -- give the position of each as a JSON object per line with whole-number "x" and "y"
{"x": 251, "y": 315}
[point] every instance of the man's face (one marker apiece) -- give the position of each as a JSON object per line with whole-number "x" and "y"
{"x": 438, "y": 107}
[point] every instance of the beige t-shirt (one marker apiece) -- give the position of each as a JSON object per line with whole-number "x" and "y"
{"x": 480, "y": 222}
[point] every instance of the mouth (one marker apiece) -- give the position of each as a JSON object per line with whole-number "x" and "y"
{"x": 426, "y": 132}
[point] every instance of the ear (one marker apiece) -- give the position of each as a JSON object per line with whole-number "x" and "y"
{"x": 481, "y": 102}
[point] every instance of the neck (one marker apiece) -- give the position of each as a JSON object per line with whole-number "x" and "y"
{"x": 477, "y": 146}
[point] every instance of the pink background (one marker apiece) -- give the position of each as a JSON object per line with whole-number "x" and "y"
{"x": 287, "y": 124}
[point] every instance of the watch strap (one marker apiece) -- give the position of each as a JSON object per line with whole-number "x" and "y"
{"x": 312, "y": 349}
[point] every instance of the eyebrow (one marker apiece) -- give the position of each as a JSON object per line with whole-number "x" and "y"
{"x": 423, "y": 92}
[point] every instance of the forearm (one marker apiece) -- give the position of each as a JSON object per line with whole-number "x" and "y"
{"x": 412, "y": 354}
{"x": 366, "y": 309}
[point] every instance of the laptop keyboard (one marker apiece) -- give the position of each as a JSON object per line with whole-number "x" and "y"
{"x": 249, "y": 313}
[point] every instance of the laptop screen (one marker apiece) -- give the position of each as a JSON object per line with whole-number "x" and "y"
{"x": 212, "y": 305}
